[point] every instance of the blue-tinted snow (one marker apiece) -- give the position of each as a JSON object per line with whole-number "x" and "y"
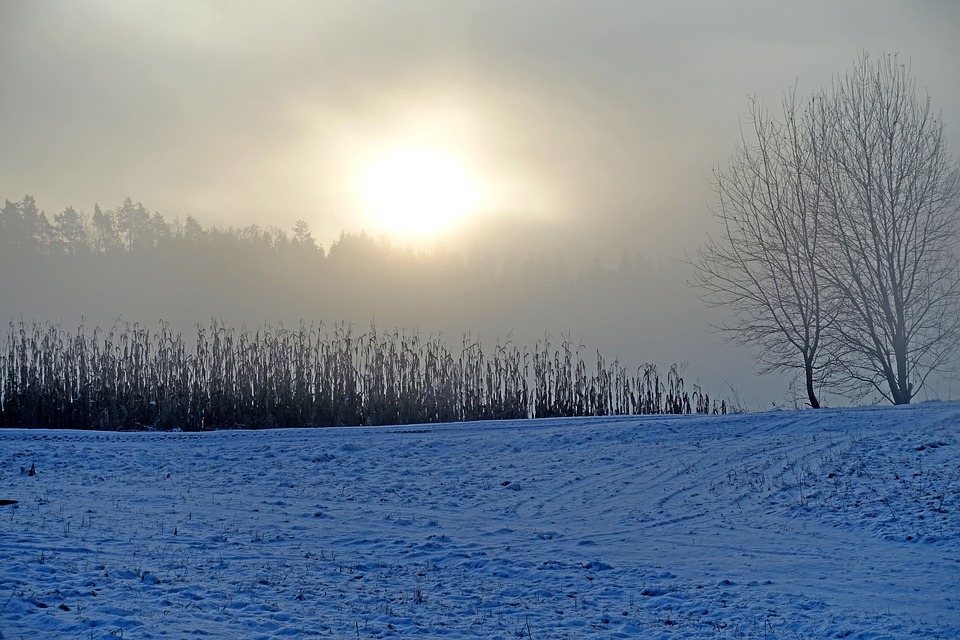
{"x": 832, "y": 523}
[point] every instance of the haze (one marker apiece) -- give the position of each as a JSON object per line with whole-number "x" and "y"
{"x": 583, "y": 132}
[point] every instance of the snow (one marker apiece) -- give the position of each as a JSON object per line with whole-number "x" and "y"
{"x": 814, "y": 524}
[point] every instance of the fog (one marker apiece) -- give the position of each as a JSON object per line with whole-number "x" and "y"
{"x": 592, "y": 130}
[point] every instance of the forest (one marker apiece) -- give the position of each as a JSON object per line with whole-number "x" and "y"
{"x": 256, "y": 327}
{"x": 184, "y": 272}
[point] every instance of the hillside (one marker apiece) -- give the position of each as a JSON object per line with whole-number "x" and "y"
{"x": 835, "y": 523}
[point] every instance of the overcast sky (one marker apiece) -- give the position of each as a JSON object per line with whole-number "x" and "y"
{"x": 586, "y": 123}
{"x": 587, "y": 127}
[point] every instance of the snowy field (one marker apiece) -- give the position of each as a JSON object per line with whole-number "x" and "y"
{"x": 837, "y": 523}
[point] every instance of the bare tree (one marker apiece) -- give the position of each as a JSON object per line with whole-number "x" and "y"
{"x": 840, "y": 230}
{"x": 765, "y": 265}
{"x": 893, "y": 197}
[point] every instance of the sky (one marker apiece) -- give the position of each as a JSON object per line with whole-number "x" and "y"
{"x": 581, "y": 124}
{"x": 586, "y": 128}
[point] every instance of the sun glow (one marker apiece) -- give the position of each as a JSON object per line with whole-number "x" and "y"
{"x": 417, "y": 192}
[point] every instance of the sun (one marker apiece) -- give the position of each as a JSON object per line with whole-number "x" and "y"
{"x": 417, "y": 192}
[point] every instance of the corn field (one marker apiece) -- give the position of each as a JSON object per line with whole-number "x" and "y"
{"x": 137, "y": 379}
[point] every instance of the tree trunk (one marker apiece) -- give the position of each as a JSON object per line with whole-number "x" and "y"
{"x": 901, "y": 389}
{"x": 811, "y": 393}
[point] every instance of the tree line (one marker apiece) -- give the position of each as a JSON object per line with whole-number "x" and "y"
{"x": 138, "y": 264}
{"x": 128, "y": 227}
